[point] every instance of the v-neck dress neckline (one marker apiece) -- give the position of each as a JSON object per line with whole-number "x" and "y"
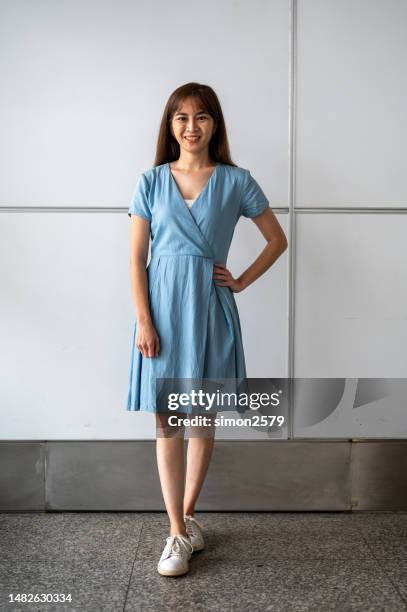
{"x": 201, "y": 193}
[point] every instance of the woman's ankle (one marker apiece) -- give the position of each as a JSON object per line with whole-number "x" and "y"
{"x": 179, "y": 531}
{"x": 178, "y": 528}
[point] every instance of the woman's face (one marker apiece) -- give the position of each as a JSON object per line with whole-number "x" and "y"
{"x": 192, "y": 127}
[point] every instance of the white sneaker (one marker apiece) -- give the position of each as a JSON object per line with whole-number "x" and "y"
{"x": 194, "y": 530}
{"x": 175, "y": 556}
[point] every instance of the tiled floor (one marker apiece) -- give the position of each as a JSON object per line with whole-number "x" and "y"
{"x": 252, "y": 561}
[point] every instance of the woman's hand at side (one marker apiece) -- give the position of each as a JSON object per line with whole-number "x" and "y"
{"x": 147, "y": 340}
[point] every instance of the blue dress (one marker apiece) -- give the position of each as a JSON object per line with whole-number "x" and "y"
{"x": 196, "y": 320}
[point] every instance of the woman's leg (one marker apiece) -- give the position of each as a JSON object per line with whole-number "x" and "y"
{"x": 171, "y": 469}
{"x": 200, "y": 446}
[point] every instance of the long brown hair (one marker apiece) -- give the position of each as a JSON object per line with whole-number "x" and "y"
{"x": 168, "y": 149}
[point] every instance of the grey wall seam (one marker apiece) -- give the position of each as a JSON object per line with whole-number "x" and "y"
{"x": 291, "y": 216}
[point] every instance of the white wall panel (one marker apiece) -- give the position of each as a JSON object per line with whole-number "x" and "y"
{"x": 66, "y": 327}
{"x": 85, "y": 84}
{"x": 351, "y": 95}
{"x": 350, "y": 408}
{"x": 351, "y": 295}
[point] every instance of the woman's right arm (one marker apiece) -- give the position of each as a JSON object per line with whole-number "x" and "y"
{"x": 147, "y": 340}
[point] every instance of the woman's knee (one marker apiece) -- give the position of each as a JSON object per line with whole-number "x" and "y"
{"x": 206, "y": 429}
{"x": 167, "y": 429}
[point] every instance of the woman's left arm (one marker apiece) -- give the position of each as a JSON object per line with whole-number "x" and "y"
{"x": 276, "y": 245}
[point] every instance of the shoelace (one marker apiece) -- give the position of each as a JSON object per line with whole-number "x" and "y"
{"x": 190, "y": 522}
{"x": 174, "y": 546}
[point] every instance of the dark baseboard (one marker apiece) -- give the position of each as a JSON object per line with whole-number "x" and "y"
{"x": 283, "y": 475}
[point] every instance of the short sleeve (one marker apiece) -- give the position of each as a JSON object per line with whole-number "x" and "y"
{"x": 139, "y": 204}
{"x": 254, "y": 200}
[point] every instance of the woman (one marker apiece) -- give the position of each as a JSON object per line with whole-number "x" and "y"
{"x": 187, "y": 323}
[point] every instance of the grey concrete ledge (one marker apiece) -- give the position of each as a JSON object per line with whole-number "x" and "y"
{"x": 281, "y": 475}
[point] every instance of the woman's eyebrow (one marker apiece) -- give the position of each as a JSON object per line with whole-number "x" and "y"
{"x": 202, "y": 112}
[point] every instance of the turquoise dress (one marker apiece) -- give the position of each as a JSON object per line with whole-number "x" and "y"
{"x": 197, "y": 321}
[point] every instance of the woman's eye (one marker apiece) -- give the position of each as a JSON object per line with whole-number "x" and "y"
{"x": 184, "y": 118}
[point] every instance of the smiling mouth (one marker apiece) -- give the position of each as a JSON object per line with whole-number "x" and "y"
{"x": 192, "y": 138}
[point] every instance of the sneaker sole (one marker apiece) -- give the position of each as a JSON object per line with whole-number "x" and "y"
{"x": 172, "y": 573}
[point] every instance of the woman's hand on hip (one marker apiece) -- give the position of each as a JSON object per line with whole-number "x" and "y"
{"x": 147, "y": 341}
{"x": 223, "y": 277}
